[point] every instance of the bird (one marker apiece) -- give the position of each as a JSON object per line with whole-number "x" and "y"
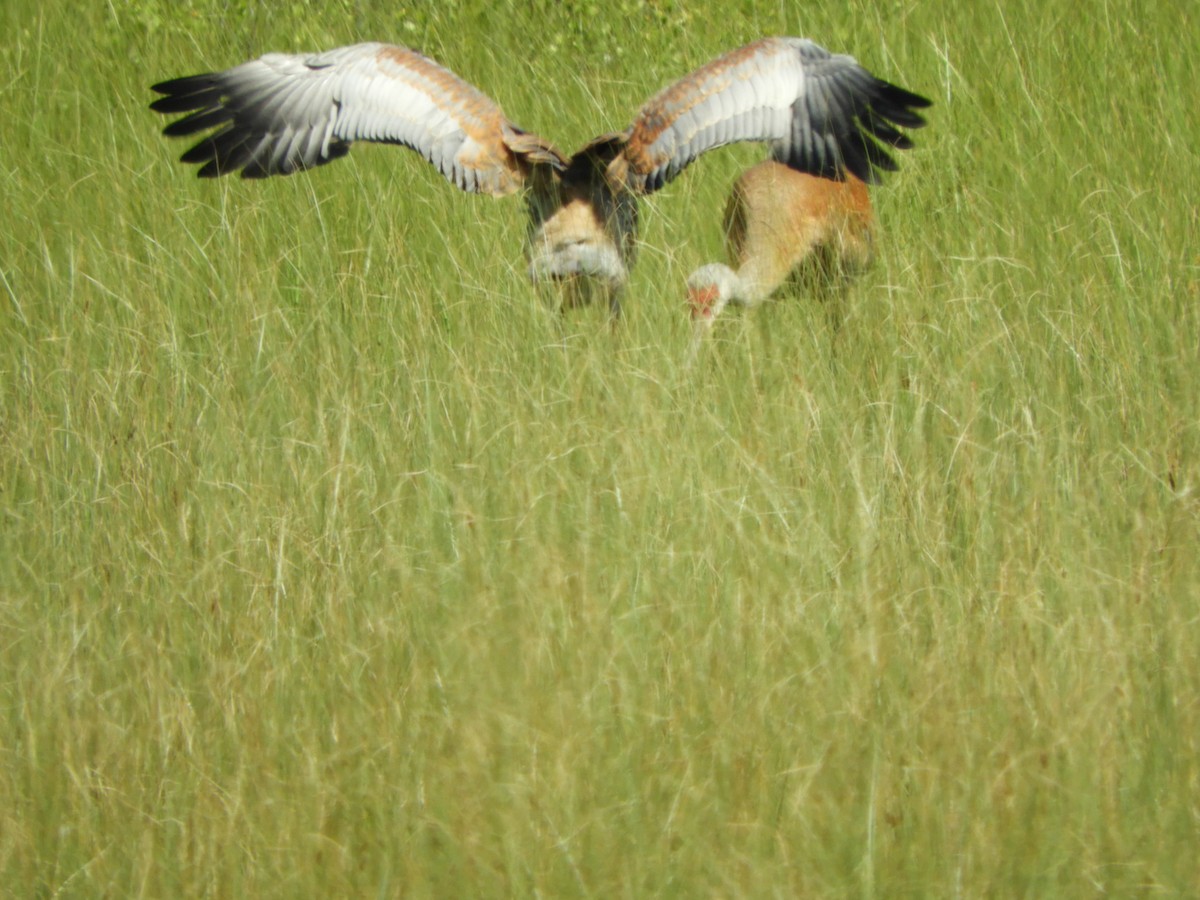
{"x": 582, "y": 234}
{"x": 829, "y": 124}
{"x": 779, "y": 222}
{"x": 283, "y": 113}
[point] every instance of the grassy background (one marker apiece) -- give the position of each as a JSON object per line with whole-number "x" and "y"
{"x": 332, "y": 563}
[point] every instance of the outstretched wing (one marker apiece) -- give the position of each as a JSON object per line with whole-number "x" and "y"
{"x": 820, "y": 112}
{"x": 284, "y": 112}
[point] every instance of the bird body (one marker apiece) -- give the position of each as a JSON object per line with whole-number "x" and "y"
{"x": 777, "y": 222}
{"x": 583, "y": 230}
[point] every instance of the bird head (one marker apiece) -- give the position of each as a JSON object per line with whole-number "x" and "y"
{"x": 709, "y": 289}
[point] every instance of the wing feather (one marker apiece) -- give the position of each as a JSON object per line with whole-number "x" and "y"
{"x": 284, "y": 112}
{"x": 820, "y": 113}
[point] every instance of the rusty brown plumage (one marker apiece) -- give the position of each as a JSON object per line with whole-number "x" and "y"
{"x": 783, "y": 225}
{"x": 662, "y": 111}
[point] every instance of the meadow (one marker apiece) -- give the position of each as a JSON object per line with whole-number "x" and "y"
{"x": 335, "y": 562}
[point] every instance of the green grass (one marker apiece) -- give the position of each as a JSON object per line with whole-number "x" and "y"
{"x": 333, "y": 563}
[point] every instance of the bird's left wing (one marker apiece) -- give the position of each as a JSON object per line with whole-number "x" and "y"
{"x": 284, "y": 112}
{"x": 820, "y": 112}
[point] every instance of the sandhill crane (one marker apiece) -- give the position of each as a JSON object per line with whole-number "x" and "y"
{"x": 779, "y": 221}
{"x": 827, "y": 121}
{"x": 283, "y": 112}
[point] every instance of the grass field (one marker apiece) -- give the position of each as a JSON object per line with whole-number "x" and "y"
{"x": 334, "y": 563}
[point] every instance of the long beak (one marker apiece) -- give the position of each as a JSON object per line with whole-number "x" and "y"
{"x": 703, "y": 303}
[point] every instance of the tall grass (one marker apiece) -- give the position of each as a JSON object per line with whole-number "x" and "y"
{"x": 334, "y": 563}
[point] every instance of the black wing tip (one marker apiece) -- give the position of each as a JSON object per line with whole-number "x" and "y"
{"x": 254, "y": 170}
{"x": 911, "y": 100}
{"x": 175, "y": 103}
{"x": 186, "y": 94}
{"x": 233, "y": 144}
{"x": 888, "y": 106}
{"x": 200, "y": 120}
{"x": 898, "y": 104}
{"x": 166, "y": 87}
{"x": 858, "y": 141}
{"x": 227, "y": 152}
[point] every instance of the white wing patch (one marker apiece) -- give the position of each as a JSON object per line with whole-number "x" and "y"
{"x": 284, "y": 112}
{"x": 819, "y": 112}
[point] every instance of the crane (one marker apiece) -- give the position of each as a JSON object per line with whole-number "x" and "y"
{"x": 777, "y": 222}
{"x": 282, "y": 113}
{"x": 829, "y": 124}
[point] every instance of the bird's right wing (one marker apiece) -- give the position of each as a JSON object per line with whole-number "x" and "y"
{"x": 284, "y": 112}
{"x": 821, "y": 113}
